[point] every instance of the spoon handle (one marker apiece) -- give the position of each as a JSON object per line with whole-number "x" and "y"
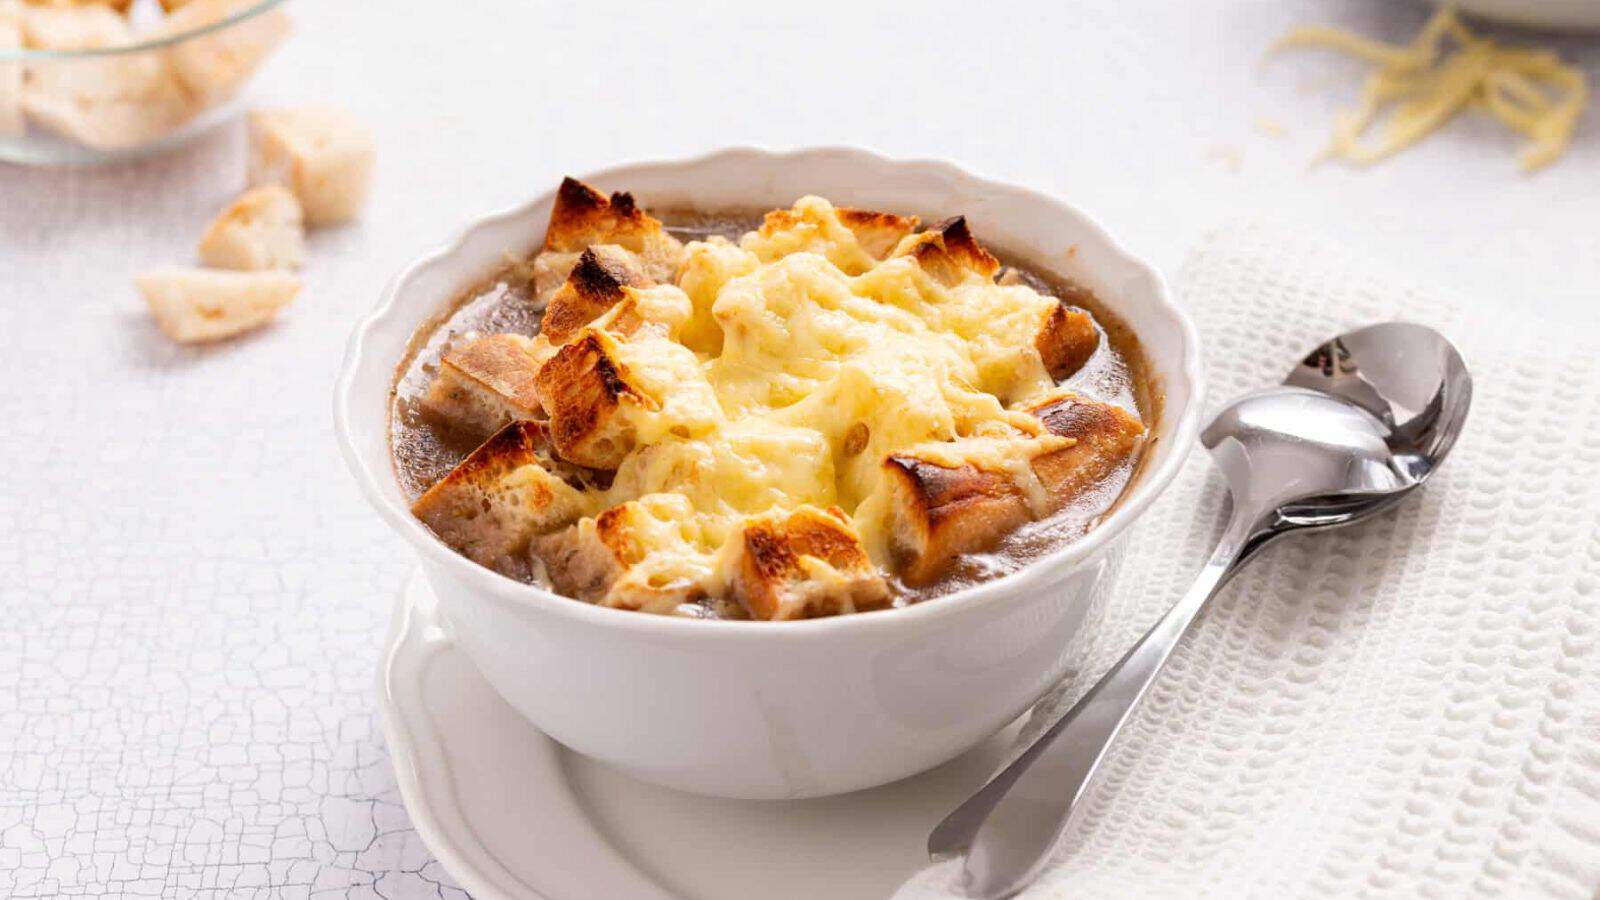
{"x": 1010, "y": 825}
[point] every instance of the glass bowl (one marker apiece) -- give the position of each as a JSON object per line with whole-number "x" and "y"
{"x": 82, "y": 85}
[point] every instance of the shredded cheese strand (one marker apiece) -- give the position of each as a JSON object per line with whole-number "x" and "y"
{"x": 1420, "y": 86}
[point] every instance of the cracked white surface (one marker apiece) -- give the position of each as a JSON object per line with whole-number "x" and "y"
{"x": 193, "y": 595}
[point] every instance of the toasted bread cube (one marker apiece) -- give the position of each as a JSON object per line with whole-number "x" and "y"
{"x": 11, "y": 118}
{"x": 582, "y": 217}
{"x": 942, "y": 512}
{"x": 108, "y": 124}
{"x": 120, "y": 6}
{"x": 106, "y": 102}
{"x": 1105, "y": 437}
{"x": 632, "y": 556}
{"x": 214, "y": 66}
{"x": 263, "y": 229}
{"x": 606, "y": 388}
{"x": 950, "y": 253}
{"x": 584, "y": 388}
{"x": 500, "y": 497}
{"x": 877, "y": 232}
{"x": 594, "y": 285}
{"x": 1066, "y": 340}
{"x": 320, "y": 153}
{"x": 88, "y": 26}
{"x": 198, "y": 305}
{"x": 803, "y": 564}
{"x": 486, "y": 383}
{"x": 852, "y": 239}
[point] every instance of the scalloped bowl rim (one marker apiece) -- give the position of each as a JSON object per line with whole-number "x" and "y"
{"x": 1147, "y": 486}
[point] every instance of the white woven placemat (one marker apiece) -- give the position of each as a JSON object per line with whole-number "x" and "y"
{"x": 1405, "y": 708}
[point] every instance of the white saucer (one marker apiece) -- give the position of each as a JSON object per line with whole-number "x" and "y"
{"x": 512, "y": 814}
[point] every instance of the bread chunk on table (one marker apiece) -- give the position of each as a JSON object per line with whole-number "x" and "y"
{"x": 199, "y": 305}
{"x": 320, "y": 153}
{"x": 263, "y": 229}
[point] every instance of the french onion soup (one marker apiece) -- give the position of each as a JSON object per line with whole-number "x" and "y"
{"x": 815, "y": 411}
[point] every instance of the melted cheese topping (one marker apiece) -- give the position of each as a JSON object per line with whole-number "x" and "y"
{"x": 1423, "y": 85}
{"x": 795, "y": 379}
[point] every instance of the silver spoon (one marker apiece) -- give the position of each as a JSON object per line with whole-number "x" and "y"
{"x": 1359, "y": 424}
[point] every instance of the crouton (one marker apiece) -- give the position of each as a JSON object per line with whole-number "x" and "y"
{"x": 108, "y": 124}
{"x": 877, "y": 232}
{"x": 802, "y": 564}
{"x": 1066, "y": 340}
{"x": 583, "y": 217}
{"x": 197, "y": 305}
{"x": 214, "y": 66}
{"x": 941, "y": 512}
{"x": 263, "y": 229}
{"x": 607, "y": 390}
{"x": 949, "y": 252}
{"x": 321, "y": 154}
{"x": 485, "y": 383}
{"x": 584, "y": 387}
{"x": 632, "y": 556}
{"x": 105, "y": 102}
{"x": 89, "y": 26}
{"x": 12, "y": 122}
{"x": 1104, "y": 436}
{"x": 120, "y": 6}
{"x": 595, "y": 285}
{"x": 508, "y": 491}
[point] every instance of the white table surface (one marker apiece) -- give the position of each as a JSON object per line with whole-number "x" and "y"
{"x": 195, "y": 596}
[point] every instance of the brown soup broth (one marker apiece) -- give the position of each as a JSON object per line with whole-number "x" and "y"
{"x": 423, "y": 450}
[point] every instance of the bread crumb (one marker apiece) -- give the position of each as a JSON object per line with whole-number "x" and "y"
{"x": 320, "y": 153}
{"x": 202, "y": 305}
{"x": 263, "y": 229}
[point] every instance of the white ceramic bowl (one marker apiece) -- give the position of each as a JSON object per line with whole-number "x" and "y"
{"x": 781, "y": 709}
